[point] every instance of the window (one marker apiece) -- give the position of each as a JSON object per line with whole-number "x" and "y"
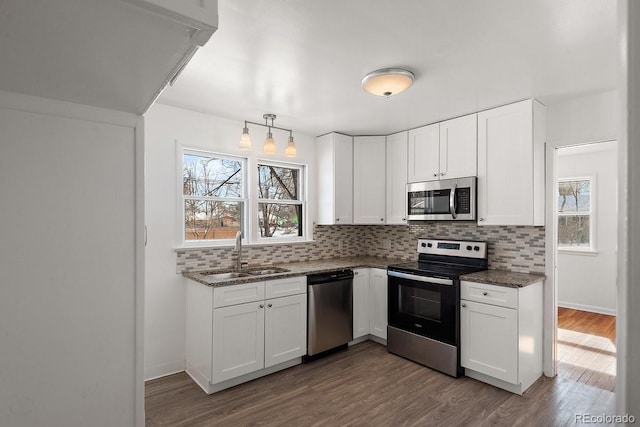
{"x": 575, "y": 221}
{"x": 280, "y": 201}
{"x": 213, "y": 194}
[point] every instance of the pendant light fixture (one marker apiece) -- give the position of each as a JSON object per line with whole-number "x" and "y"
{"x": 388, "y": 81}
{"x": 245, "y": 139}
{"x": 269, "y": 146}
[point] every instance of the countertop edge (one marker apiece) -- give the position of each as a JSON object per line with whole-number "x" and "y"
{"x": 298, "y": 269}
{"x": 504, "y": 278}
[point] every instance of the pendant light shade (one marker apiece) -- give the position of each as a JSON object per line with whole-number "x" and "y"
{"x": 387, "y": 81}
{"x": 269, "y": 145}
{"x": 290, "y": 151}
{"x": 245, "y": 139}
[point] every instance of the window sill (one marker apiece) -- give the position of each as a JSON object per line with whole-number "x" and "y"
{"x": 584, "y": 252}
{"x": 244, "y": 245}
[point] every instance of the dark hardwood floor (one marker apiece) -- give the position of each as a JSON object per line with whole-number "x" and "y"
{"x": 366, "y": 386}
{"x": 587, "y": 348}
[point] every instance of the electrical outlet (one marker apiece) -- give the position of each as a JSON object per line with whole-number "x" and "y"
{"x": 386, "y": 244}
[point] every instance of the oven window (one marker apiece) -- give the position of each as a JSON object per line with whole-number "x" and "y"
{"x": 420, "y": 303}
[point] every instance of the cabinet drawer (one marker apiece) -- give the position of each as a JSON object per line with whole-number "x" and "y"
{"x": 238, "y": 294}
{"x": 489, "y": 294}
{"x": 285, "y": 287}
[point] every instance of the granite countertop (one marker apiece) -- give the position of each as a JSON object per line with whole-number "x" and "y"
{"x": 302, "y": 268}
{"x": 504, "y": 278}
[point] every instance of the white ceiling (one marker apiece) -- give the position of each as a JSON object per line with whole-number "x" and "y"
{"x": 304, "y": 60}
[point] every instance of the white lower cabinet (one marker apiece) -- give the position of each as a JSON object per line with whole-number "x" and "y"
{"x": 234, "y": 334}
{"x": 378, "y": 292}
{"x": 370, "y": 303}
{"x": 285, "y": 329}
{"x": 238, "y": 340}
{"x": 501, "y": 334}
{"x": 360, "y": 302}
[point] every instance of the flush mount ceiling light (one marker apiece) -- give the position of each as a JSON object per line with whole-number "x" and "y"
{"x": 269, "y": 146}
{"x": 387, "y": 81}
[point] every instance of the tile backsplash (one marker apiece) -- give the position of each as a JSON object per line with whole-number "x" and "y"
{"x": 515, "y": 248}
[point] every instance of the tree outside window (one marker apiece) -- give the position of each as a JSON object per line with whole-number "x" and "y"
{"x": 575, "y": 214}
{"x": 213, "y": 196}
{"x": 280, "y": 201}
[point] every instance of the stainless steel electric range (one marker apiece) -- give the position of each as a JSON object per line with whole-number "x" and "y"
{"x": 424, "y": 302}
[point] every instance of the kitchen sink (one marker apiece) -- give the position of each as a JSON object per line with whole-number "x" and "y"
{"x": 213, "y": 276}
{"x": 219, "y": 276}
{"x": 261, "y": 271}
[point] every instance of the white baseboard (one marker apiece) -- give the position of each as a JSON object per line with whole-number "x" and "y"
{"x": 591, "y": 308}
{"x": 153, "y": 372}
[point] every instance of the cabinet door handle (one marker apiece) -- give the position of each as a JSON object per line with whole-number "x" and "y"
{"x": 261, "y": 305}
{"x": 381, "y": 219}
{"x": 464, "y": 305}
{"x": 337, "y": 219}
{"x": 269, "y": 305}
{"x": 485, "y": 293}
{"x": 435, "y": 174}
{"x": 480, "y": 219}
{"x": 404, "y": 219}
{"x": 441, "y": 173}
{"x": 355, "y": 273}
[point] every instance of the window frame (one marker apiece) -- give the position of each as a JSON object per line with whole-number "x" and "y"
{"x": 182, "y": 198}
{"x": 591, "y": 249}
{"x": 301, "y": 201}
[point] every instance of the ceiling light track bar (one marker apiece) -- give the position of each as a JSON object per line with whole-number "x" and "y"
{"x": 267, "y": 126}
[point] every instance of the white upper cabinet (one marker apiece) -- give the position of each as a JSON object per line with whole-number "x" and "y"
{"x": 511, "y": 164}
{"x": 459, "y": 147}
{"x": 334, "y": 153}
{"x": 397, "y": 178}
{"x": 369, "y": 181}
{"x": 424, "y": 153}
{"x": 444, "y": 150}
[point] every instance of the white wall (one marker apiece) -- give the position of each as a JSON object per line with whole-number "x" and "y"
{"x": 68, "y": 308}
{"x": 164, "y": 289}
{"x": 587, "y": 280}
{"x": 580, "y": 120}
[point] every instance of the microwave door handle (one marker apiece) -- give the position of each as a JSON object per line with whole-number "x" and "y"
{"x": 452, "y": 201}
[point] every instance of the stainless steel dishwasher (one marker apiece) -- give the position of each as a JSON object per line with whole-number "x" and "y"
{"x": 330, "y": 311}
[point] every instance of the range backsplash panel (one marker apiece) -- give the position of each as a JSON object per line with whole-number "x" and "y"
{"x": 515, "y": 248}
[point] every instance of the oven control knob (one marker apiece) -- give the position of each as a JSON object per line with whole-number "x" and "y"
{"x": 423, "y": 244}
{"x": 429, "y": 244}
{"x": 476, "y": 248}
{"x": 469, "y": 248}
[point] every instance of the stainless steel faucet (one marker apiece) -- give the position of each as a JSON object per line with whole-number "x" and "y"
{"x": 238, "y": 249}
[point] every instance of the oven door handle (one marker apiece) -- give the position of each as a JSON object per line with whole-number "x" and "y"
{"x": 435, "y": 280}
{"x": 452, "y": 201}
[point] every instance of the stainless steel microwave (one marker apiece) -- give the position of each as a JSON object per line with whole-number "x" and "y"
{"x": 444, "y": 200}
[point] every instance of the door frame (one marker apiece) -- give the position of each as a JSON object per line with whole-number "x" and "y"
{"x": 550, "y": 345}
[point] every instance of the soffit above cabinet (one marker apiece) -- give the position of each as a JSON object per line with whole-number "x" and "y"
{"x": 112, "y": 54}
